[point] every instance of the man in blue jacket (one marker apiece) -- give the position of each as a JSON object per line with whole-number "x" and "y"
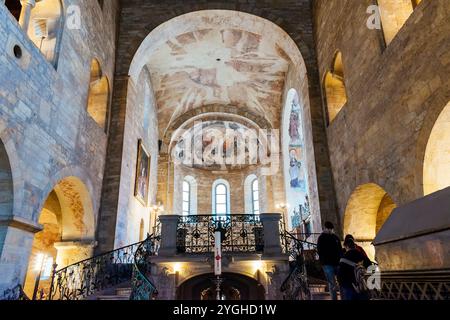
{"x": 330, "y": 251}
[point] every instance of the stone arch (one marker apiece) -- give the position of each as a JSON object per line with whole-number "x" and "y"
{"x": 335, "y": 93}
{"x": 46, "y": 28}
{"x": 68, "y": 234}
{"x": 367, "y": 210}
{"x": 236, "y": 286}
{"x": 99, "y": 92}
{"x": 436, "y": 164}
{"x": 394, "y": 14}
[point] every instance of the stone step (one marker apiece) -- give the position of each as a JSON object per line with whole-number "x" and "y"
{"x": 112, "y": 297}
{"x": 123, "y": 291}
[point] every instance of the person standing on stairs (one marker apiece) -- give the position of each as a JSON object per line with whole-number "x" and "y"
{"x": 330, "y": 251}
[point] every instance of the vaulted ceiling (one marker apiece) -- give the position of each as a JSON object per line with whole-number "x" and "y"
{"x": 218, "y": 66}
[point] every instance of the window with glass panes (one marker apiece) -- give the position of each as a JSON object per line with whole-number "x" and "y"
{"x": 221, "y": 200}
{"x": 186, "y": 198}
{"x": 255, "y": 197}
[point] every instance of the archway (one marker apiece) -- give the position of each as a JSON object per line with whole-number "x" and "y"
{"x": 68, "y": 232}
{"x": 394, "y": 14}
{"x": 334, "y": 87}
{"x": 98, "y": 100}
{"x": 234, "y": 287}
{"x": 45, "y": 28}
{"x": 367, "y": 210}
{"x": 436, "y": 167}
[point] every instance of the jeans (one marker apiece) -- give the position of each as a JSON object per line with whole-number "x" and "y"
{"x": 349, "y": 293}
{"x": 330, "y": 274}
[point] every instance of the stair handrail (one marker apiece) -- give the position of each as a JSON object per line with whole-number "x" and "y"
{"x": 89, "y": 276}
{"x": 16, "y": 293}
{"x": 296, "y": 285}
{"x": 142, "y": 287}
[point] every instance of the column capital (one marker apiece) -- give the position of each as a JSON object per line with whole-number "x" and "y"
{"x": 31, "y": 3}
{"x": 22, "y": 224}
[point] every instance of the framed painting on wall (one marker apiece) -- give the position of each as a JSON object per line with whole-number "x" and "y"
{"x": 142, "y": 174}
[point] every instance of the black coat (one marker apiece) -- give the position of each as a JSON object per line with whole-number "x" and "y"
{"x": 346, "y": 273}
{"x": 329, "y": 249}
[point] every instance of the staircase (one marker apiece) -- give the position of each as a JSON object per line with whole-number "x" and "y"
{"x": 122, "y": 293}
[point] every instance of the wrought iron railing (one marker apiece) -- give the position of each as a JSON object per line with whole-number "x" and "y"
{"x": 412, "y": 285}
{"x": 15, "y": 293}
{"x": 142, "y": 287}
{"x": 304, "y": 266}
{"x": 85, "y": 278}
{"x": 240, "y": 233}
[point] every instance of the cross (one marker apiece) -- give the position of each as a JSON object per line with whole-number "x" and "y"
{"x": 218, "y": 257}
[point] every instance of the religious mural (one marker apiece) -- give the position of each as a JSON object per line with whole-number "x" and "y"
{"x": 297, "y": 187}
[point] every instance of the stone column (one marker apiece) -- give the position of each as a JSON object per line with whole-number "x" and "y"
{"x": 25, "y": 14}
{"x": 70, "y": 252}
{"x": 271, "y": 225}
{"x": 169, "y": 225}
{"x": 16, "y": 240}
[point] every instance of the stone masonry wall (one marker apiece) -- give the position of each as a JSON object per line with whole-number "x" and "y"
{"x": 395, "y": 95}
{"x": 44, "y": 125}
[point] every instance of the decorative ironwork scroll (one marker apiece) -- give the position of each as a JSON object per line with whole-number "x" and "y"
{"x": 142, "y": 286}
{"x": 240, "y": 233}
{"x": 85, "y": 278}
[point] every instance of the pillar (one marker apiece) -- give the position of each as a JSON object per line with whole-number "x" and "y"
{"x": 272, "y": 242}
{"x": 16, "y": 241}
{"x": 169, "y": 224}
{"x": 25, "y": 14}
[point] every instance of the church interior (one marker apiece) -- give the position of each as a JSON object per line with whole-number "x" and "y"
{"x": 194, "y": 150}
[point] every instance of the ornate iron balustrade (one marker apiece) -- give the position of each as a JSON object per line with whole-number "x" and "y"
{"x": 240, "y": 233}
{"x": 15, "y": 293}
{"x": 80, "y": 280}
{"x": 142, "y": 286}
{"x": 304, "y": 266}
{"x": 413, "y": 285}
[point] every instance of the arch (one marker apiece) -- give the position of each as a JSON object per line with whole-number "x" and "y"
{"x": 367, "y": 210}
{"x": 334, "y": 88}
{"x": 221, "y": 197}
{"x": 99, "y": 92}
{"x": 209, "y": 20}
{"x": 394, "y": 14}
{"x": 46, "y": 28}
{"x": 68, "y": 230}
{"x": 235, "y": 287}
{"x": 295, "y": 162}
{"x": 6, "y": 184}
{"x": 15, "y": 7}
{"x": 436, "y": 165}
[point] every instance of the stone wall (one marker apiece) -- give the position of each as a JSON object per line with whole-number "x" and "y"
{"x": 44, "y": 125}
{"x": 395, "y": 95}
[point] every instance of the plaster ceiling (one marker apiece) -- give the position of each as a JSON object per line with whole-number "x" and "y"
{"x": 226, "y": 66}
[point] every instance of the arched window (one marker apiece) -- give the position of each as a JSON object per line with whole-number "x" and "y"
{"x": 141, "y": 230}
{"x": 334, "y": 87}
{"x": 221, "y": 197}
{"x": 98, "y": 100}
{"x": 255, "y": 197}
{"x": 186, "y": 198}
{"x": 15, "y": 7}
{"x": 394, "y": 14}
